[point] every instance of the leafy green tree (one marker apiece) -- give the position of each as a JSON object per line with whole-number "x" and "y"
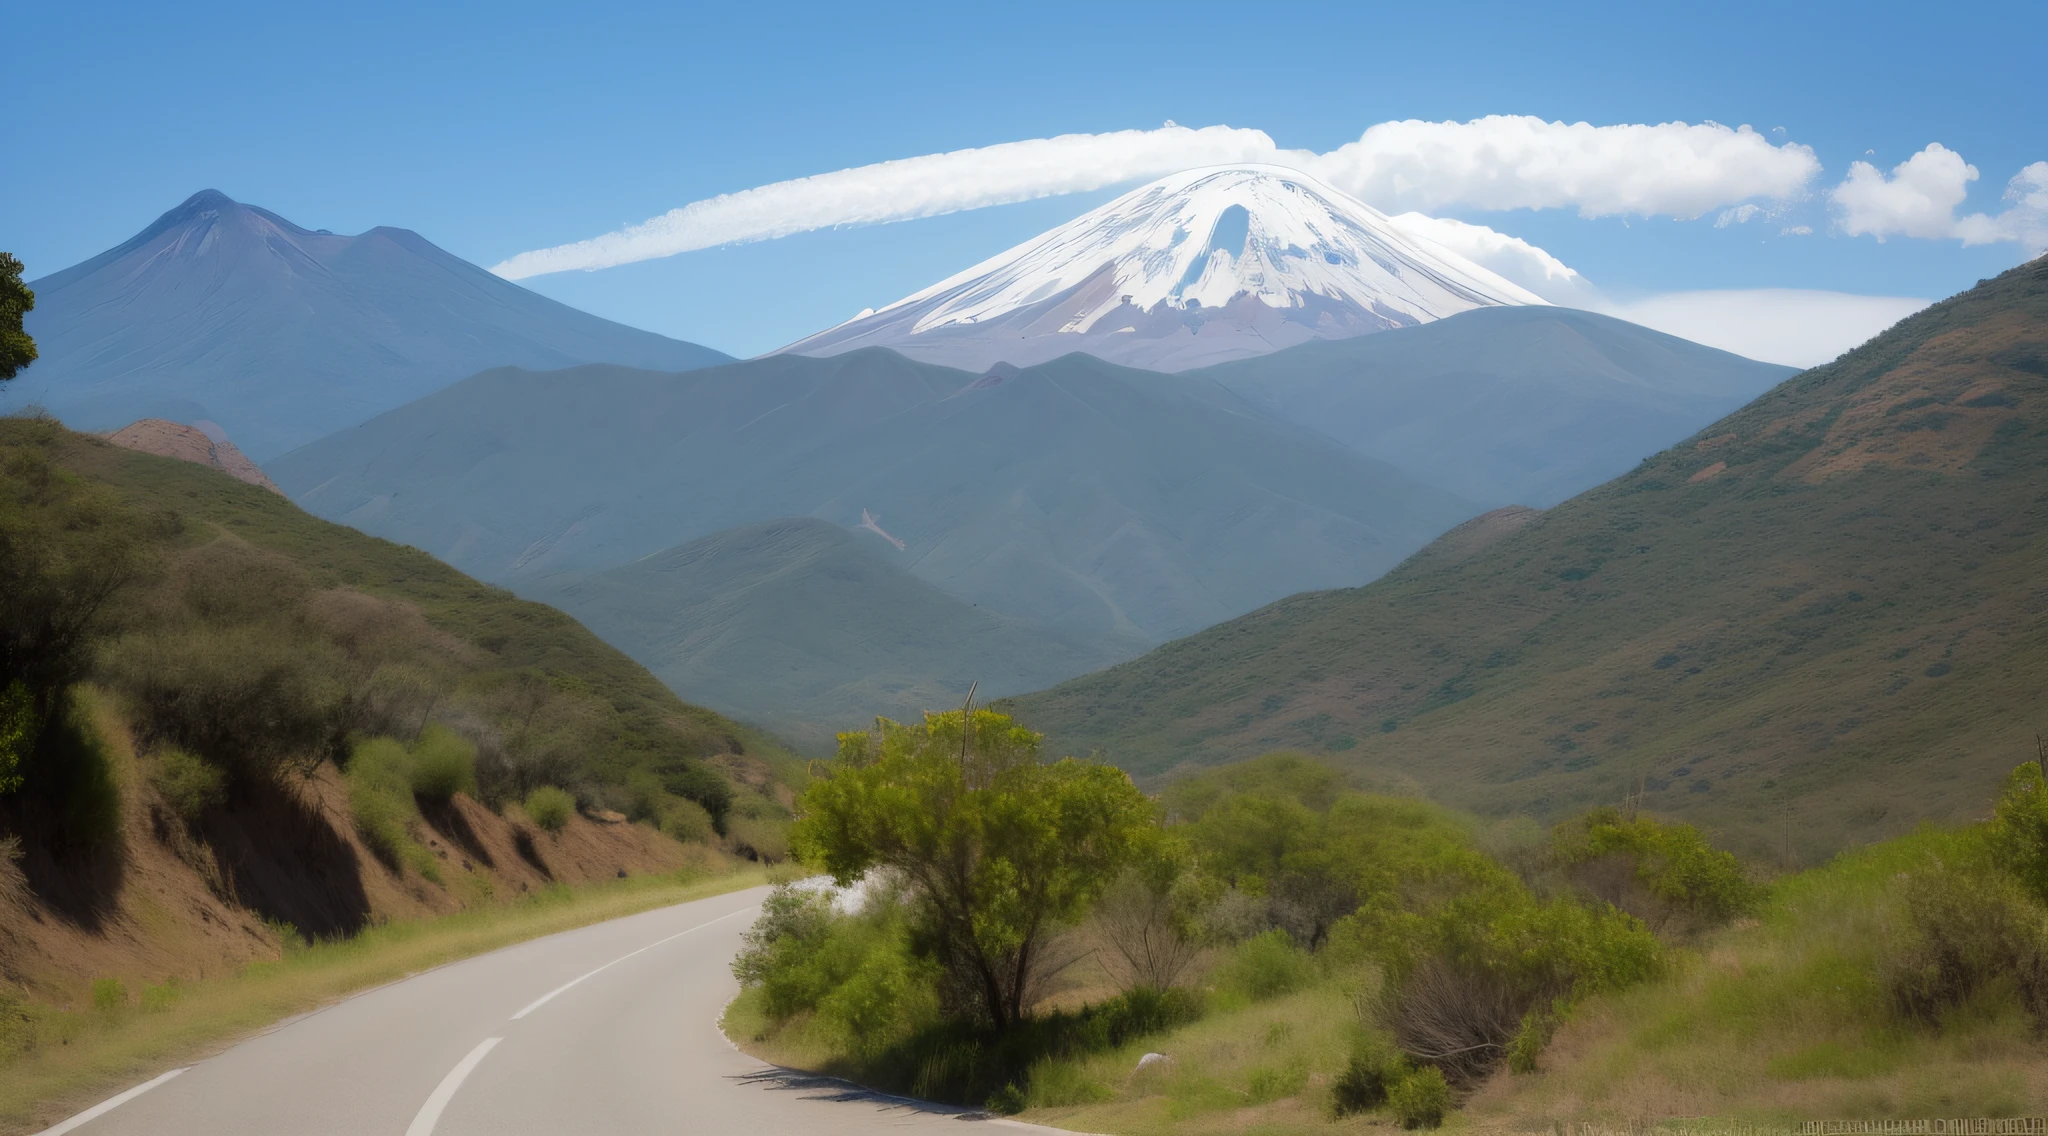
{"x": 2019, "y": 828}
{"x": 998, "y": 849}
{"x": 17, "y": 350}
{"x": 1668, "y": 871}
{"x": 65, "y": 552}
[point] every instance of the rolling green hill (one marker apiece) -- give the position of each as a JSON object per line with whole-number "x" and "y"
{"x": 606, "y": 713}
{"x": 1818, "y": 622}
{"x": 817, "y": 629}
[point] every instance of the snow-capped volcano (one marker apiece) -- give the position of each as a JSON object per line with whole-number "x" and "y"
{"x": 1195, "y": 268}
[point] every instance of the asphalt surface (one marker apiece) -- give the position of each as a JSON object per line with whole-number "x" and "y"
{"x": 612, "y": 1028}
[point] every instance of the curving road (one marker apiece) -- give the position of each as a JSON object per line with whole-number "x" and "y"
{"x": 608, "y": 1029}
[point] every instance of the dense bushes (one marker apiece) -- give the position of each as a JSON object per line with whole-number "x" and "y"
{"x": 1967, "y": 928}
{"x": 253, "y": 655}
{"x": 1285, "y": 876}
{"x": 858, "y": 983}
{"x": 550, "y": 808}
{"x": 1264, "y": 966}
{"x": 188, "y": 783}
{"x": 1664, "y": 874}
{"x": 443, "y": 764}
{"x": 381, "y": 800}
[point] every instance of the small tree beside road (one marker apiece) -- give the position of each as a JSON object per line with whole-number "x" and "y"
{"x": 998, "y": 849}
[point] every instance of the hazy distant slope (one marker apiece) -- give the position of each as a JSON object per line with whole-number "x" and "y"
{"x": 639, "y": 721}
{"x": 1076, "y": 494}
{"x": 1822, "y": 620}
{"x": 280, "y": 334}
{"x": 816, "y": 629}
{"x": 513, "y": 473}
{"x": 1505, "y": 405}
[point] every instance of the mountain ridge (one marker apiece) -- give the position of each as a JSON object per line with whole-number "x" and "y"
{"x": 1503, "y": 405}
{"x": 1816, "y": 621}
{"x": 229, "y": 312}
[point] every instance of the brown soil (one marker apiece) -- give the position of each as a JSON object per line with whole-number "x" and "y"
{"x": 188, "y": 443}
{"x": 188, "y": 901}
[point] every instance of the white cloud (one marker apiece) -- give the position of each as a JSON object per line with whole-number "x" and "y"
{"x": 907, "y": 189}
{"x": 1920, "y": 197}
{"x": 1918, "y": 200}
{"x": 1796, "y": 231}
{"x": 1522, "y": 162}
{"x": 2025, "y": 221}
{"x": 1740, "y": 215}
{"x": 1512, "y": 257}
{"x": 1797, "y": 327}
{"x": 1499, "y": 162}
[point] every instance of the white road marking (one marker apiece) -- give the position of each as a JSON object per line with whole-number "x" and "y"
{"x": 543, "y": 1000}
{"x": 430, "y": 1112}
{"x": 107, "y": 1106}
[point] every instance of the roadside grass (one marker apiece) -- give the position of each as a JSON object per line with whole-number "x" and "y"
{"x": 1783, "y": 1019}
{"x": 80, "y": 1057}
{"x": 1245, "y": 1067}
{"x": 1778, "y": 1019}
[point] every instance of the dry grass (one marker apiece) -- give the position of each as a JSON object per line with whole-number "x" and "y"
{"x": 1263, "y": 1067}
{"x": 104, "y": 1051}
{"x": 1783, "y": 1020}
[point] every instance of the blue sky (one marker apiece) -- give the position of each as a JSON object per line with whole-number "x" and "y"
{"x": 501, "y": 128}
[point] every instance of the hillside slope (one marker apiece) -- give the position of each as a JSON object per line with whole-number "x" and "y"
{"x": 1820, "y": 621}
{"x": 227, "y": 312}
{"x": 1504, "y": 405}
{"x": 815, "y": 628}
{"x": 494, "y": 633}
{"x": 1106, "y": 507}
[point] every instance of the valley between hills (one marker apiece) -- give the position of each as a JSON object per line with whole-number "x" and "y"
{"x": 1105, "y": 688}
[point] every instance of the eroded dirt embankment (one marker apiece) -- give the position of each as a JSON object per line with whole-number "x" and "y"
{"x": 171, "y": 899}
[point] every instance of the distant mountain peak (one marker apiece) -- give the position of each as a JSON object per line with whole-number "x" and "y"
{"x": 225, "y": 311}
{"x": 1198, "y": 267}
{"x": 206, "y": 199}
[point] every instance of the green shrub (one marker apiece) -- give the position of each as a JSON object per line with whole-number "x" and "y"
{"x": 2019, "y": 829}
{"x": 443, "y": 764}
{"x": 158, "y": 996}
{"x": 1265, "y": 966}
{"x": 1670, "y": 877}
{"x": 1968, "y": 929}
{"x": 1493, "y": 957}
{"x": 696, "y": 781}
{"x": 380, "y": 799}
{"x": 759, "y": 838}
{"x": 1374, "y": 1067}
{"x": 109, "y": 995}
{"x": 686, "y": 821}
{"x": 1539, "y": 1025}
{"x": 1420, "y": 1099}
{"x": 1007, "y": 1101}
{"x": 261, "y": 700}
{"x": 188, "y": 783}
{"x": 550, "y": 808}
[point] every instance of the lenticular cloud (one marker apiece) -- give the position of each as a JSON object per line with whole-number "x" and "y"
{"x": 1499, "y": 162}
{"x": 907, "y": 189}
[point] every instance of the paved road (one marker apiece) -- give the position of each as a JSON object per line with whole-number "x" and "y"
{"x": 607, "y": 1029}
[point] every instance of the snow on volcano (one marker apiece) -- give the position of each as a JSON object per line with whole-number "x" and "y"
{"x": 1196, "y": 268}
